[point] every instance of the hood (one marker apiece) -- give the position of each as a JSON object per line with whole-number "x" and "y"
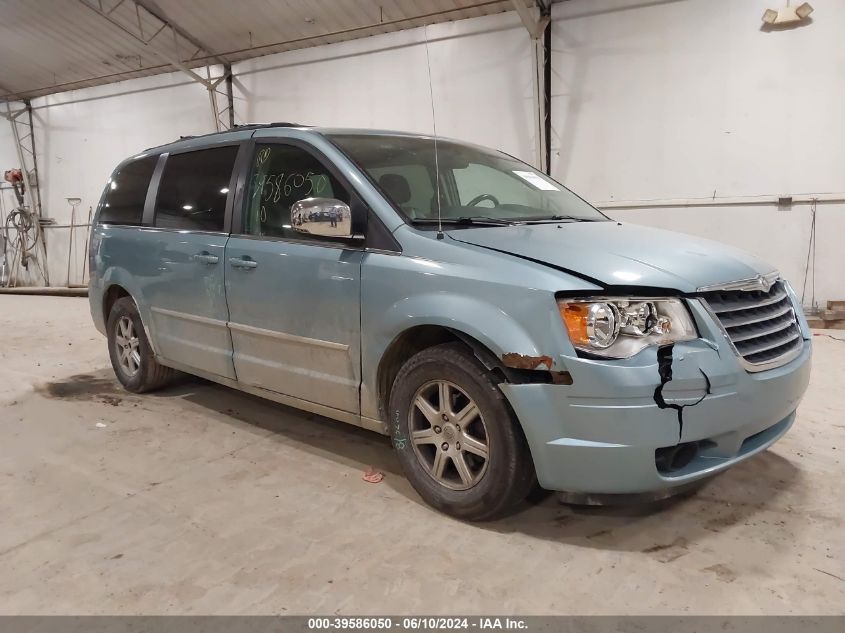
{"x": 621, "y": 254}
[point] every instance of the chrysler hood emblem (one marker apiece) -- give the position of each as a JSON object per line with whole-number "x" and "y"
{"x": 766, "y": 283}
{"x": 759, "y": 283}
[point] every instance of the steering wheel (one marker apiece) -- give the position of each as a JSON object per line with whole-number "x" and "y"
{"x": 482, "y": 198}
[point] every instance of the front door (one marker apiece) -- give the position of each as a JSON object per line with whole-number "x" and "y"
{"x": 294, "y": 299}
{"x": 184, "y": 286}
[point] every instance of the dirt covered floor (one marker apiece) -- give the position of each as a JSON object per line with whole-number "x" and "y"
{"x": 199, "y": 499}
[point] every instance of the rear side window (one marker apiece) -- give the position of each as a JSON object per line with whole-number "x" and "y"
{"x": 127, "y": 191}
{"x": 193, "y": 190}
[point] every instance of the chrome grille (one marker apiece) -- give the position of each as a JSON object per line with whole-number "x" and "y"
{"x": 761, "y": 325}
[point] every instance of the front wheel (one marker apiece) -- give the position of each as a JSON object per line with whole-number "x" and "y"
{"x": 457, "y": 440}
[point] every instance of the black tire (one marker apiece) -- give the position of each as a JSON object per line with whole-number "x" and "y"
{"x": 149, "y": 374}
{"x": 508, "y": 474}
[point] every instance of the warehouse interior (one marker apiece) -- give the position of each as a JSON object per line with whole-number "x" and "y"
{"x": 697, "y": 116}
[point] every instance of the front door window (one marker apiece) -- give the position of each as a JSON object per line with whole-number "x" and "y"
{"x": 282, "y": 175}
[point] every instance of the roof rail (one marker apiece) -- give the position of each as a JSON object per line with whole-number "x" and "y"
{"x": 245, "y": 126}
{"x": 255, "y": 126}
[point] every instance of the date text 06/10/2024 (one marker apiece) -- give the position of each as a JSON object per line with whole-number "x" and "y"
{"x": 416, "y": 623}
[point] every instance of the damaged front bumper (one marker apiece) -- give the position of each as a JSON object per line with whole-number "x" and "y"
{"x": 616, "y": 430}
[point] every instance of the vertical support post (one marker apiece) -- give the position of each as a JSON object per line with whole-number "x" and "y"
{"x": 539, "y": 31}
{"x": 16, "y": 136}
{"x": 537, "y": 67}
{"x": 227, "y": 69}
{"x": 547, "y": 96}
{"x": 25, "y": 147}
{"x": 211, "y": 86}
{"x": 212, "y": 98}
{"x": 224, "y": 119}
{"x": 35, "y": 184}
{"x": 34, "y": 176}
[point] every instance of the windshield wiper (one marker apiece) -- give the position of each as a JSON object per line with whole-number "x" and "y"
{"x": 483, "y": 219}
{"x": 468, "y": 219}
{"x": 558, "y": 218}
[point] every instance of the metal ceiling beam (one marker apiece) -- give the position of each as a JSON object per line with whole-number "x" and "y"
{"x": 11, "y": 115}
{"x": 153, "y": 40}
{"x": 136, "y": 31}
{"x": 479, "y": 7}
{"x": 357, "y": 31}
{"x": 154, "y": 10}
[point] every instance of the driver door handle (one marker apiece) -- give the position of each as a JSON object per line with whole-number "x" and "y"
{"x": 240, "y": 262}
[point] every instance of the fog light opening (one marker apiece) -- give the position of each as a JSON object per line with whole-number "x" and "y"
{"x": 674, "y": 458}
{"x": 684, "y": 455}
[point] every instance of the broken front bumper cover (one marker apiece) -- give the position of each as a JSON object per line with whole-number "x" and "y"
{"x": 602, "y": 433}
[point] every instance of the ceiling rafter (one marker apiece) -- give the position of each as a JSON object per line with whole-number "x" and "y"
{"x": 132, "y": 23}
{"x": 95, "y": 42}
{"x": 142, "y": 13}
{"x": 156, "y": 12}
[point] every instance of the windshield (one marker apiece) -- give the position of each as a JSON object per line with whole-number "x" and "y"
{"x": 475, "y": 183}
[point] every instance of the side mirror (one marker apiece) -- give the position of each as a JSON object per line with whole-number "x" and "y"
{"x": 326, "y": 217}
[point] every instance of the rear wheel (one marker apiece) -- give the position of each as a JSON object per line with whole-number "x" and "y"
{"x": 131, "y": 356}
{"x": 456, "y": 437}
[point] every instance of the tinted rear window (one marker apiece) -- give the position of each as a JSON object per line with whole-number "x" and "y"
{"x": 126, "y": 192}
{"x": 193, "y": 190}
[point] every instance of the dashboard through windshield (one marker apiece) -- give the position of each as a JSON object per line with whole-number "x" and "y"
{"x": 475, "y": 185}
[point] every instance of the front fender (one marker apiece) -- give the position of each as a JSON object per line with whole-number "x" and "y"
{"x": 506, "y": 304}
{"x": 485, "y": 322}
{"x": 503, "y": 333}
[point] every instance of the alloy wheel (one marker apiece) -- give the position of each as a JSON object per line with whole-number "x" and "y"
{"x": 448, "y": 435}
{"x": 127, "y": 346}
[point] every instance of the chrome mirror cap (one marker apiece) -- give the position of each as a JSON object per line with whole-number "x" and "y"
{"x": 325, "y": 217}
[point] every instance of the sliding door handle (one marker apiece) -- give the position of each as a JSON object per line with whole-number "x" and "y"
{"x": 206, "y": 258}
{"x": 239, "y": 262}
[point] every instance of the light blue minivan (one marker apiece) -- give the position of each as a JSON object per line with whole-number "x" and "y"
{"x": 503, "y": 332}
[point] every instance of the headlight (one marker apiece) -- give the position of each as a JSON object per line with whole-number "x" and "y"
{"x": 621, "y": 327}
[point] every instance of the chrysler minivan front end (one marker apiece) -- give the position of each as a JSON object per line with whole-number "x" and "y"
{"x": 651, "y": 359}
{"x": 724, "y": 386}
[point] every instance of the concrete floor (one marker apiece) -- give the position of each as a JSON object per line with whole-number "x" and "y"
{"x": 202, "y": 500}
